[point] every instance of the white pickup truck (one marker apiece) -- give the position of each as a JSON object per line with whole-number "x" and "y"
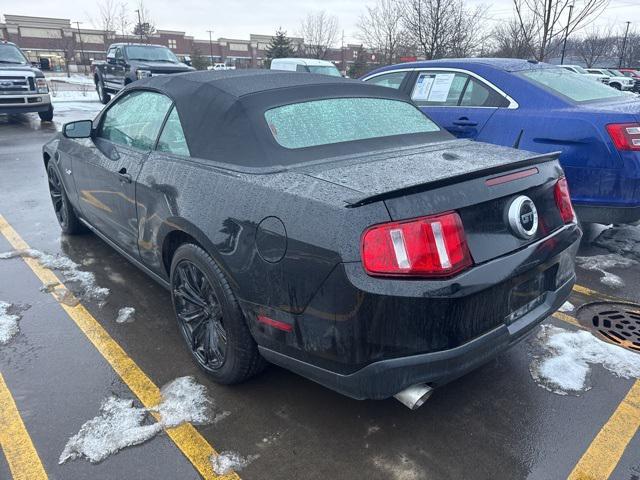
{"x": 23, "y": 88}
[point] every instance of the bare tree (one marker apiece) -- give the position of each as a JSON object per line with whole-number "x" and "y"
{"x": 596, "y": 44}
{"x": 548, "y": 20}
{"x": 443, "y": 27}
{"x": 67, "y": 44}
{"x": 123, "y": 20}
{"x": 144, "y": 26}
{"x": 107, "y": 17}
{"x": 320, "y": 32}
{"x": 381, "y": 29}
{"x": 511, "y": 41}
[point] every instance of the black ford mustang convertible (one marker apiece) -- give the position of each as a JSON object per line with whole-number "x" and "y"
{"x": 320, "y": 224}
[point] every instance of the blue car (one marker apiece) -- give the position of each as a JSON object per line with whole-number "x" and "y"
{"x": 541, "y": 108}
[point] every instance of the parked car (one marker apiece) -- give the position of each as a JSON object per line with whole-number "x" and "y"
{"x": 129, "y": 62}
{"x": 23, "y": 88}
{"x": 318, "y": 223}
{"x": 631, "y": 73}
{"x": 599, "y": 77}
{"x": 616, "y": 79}
{"x": 309, "y": 65}
{"x": 542, "y": 108}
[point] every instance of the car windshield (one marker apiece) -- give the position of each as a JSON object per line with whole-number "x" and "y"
{"x": 324, "y": 70}
{"x": 150, "y": 54}
{"x": 11, "y": 54}
{"x": 579, "y": 69}
{"x": 576, "y": 88}
{"x": 336, "y": 120}
{"x": 615, "y": 73}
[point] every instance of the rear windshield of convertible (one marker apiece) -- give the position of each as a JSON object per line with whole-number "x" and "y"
{"x": 336, "y": 120}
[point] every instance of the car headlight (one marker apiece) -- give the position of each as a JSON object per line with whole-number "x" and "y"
{"x": 143, "y": 74}
{"x": 41, "y": 85}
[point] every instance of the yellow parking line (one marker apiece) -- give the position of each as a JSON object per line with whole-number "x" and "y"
{"x": 15, "y": 441}
{"x": 594, "y": 293}
{"x": 605, "y": 451}
{"x": 186, "y": 437}
{"x": 567, "y": 318}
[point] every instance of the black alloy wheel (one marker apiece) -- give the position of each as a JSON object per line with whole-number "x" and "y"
{"x": 200, "y": 316}
{"x": 66, "y": 215}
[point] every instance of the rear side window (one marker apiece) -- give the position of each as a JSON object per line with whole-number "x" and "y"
{"x": 477, "y": 94}
{"x": 172, "y": 137}
{"x": 390, "y": 80}
{"x": 576, "y": 88}
{"x": 336, "y": 120}
{"x": 135, "y": 119}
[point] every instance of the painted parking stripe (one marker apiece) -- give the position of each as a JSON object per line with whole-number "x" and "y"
{"x": 15, "y": 441}
{"x": 605, "y": 451}
{"x": 193, "y": 445}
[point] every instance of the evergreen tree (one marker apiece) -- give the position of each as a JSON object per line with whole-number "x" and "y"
{"x": 198, "y": 61}
{"x": 279, "y": 47}
{"x": 359, "y": 66}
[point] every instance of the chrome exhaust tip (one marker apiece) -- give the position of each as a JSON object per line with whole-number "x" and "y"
{"x": 414, "y": 396}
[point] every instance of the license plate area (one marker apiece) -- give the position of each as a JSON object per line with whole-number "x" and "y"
{"x": 529, "y": 294}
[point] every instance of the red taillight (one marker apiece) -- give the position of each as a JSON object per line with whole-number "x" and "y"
{"x": 563, "y": 201}
{"x": 428, "y": 247}
{"x": 625, "y": 136}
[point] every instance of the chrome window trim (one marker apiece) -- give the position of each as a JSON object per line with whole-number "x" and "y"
{"x": 513, "y": 104}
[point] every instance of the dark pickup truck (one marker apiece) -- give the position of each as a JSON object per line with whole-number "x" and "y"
{"x": 128, "y": 62}
{"x": 23, "y": 88}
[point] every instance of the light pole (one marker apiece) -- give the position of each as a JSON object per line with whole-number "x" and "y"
{"x": 210, "y": 47}
{"x": 139, "y": 25}
{"x": 566, "y": 35}
{"x": 624, "y": 45}
{"x": 84, "y": 67}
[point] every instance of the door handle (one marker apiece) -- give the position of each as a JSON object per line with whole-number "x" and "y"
{"x": 124, "y": 176}
{"x": 465, "y": 122}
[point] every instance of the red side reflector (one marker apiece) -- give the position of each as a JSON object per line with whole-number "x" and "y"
{"x": 625, "y": 136}
{"x": 285, "y": 327}
{"x": 511, "y": 177}
{"x": 563, "y": 201}
{"x": 432, "y": 246}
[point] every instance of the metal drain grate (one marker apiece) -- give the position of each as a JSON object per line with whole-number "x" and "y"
{"x": 616, "y": 322}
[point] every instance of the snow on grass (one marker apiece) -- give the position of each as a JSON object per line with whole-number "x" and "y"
{"x": 623, "y": 240}
{"x": 74, "y": 96}
{"x": 67, "y": 267}
{"x": 565, "y": 364}
{"x": 121, "y": 424}
{"x": 599, "y": 263}
{"x": 8, "y": 323}
{"x": 125, "y": 315}
{"x": 72, "y": 80}
{"x": 566, "y": 307}
{"x": 226, "y": 462}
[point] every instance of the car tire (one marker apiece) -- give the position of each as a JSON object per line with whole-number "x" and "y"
{"x": 46, "y": 116}
{"x": 617, "y": 86}
{"x": 65, "y": 213}
{"x": 210, "y": 318}
{"x": 102, "y": 92}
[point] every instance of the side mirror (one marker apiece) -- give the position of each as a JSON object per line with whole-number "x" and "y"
{"x": 79, "y": 129}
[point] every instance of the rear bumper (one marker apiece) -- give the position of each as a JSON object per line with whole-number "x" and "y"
{"x": 607, "y": 214}
{"x": 385, "y": 378}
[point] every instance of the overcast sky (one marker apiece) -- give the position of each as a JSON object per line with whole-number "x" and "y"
{"x": 239, "y": 18}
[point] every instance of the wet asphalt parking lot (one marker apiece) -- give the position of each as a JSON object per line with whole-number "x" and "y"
{"x": 67, "y": 358}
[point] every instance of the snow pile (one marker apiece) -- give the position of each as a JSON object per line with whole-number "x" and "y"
{"x": 74, "y": 96}
{"x": 125, "y": 315}
{"x": 623, "y": 240}
{"x": 226, "y": 462}
{"x": 67, "y": 267}
{"x": 564, "y": 365}
{"x": 566, "y": 307}
{"x": 72, "y": 80}
{"x": 8, "y": 323}
{"x": 120, "y": 424}
{"x": 599, "y": 263}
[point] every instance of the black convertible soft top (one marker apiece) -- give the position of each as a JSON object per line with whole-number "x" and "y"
{"x": 222, "y": 113}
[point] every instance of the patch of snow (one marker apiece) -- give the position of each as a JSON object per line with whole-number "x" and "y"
{"x": 121, "y": 424}
{"x": 67, "y": 267}
{"x": 8, "y": 323}
{"x": 125, "y": 315}
{"x": 402, "y": 468}
{"x": 226, "y": 462}
{"x": 566, "y": 307}
{"x": 599, "y": 263}
{"x": 564, "y": 365}
{"x": 372, "y": 429}
{"x": 74, "y": 96}
{"x": 72, "y": 80}
{"x": 623, "y": 240}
